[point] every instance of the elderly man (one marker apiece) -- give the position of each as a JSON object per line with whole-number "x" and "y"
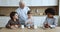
{"x": 22, "y": 12}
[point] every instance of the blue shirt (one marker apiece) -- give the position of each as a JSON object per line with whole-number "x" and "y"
{"x": 51, "y": 21}
{"x": 22, "y": 13}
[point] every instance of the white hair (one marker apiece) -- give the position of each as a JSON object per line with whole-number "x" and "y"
{"x": 21, "y": 1}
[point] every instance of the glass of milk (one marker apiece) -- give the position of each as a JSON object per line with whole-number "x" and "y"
{"x": 35, "y": 26}
{"x": 22, "y": 26}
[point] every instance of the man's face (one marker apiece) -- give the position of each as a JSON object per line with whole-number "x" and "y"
{"x": 22, "y": 5}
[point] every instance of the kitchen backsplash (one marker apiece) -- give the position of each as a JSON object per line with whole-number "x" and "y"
{"x": 36, "y": 11}
{"x": 6, "y": 10}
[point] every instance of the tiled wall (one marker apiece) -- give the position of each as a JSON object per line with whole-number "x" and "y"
{"x": 42, "y": 9}
{"x": 7, "y": 10}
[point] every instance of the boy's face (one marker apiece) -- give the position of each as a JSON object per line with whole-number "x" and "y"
{"x": 29, "y": 15}
{"x": 49, "y": 15}
{"x": 15, "y": 16}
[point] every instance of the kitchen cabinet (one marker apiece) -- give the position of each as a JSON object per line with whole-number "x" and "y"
{"x": 13, "y": 2}
{"x": 9, "y": 2}
{"x": 44, "y": 2}
{"x": 36, "y": 2}
{"x": 29, "y": 2}
{"x": 3, "y": 2}
{"x": 16, "y": 2}
{"x": 49, "y": 2}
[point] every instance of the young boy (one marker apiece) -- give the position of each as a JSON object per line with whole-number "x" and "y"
{"x": 29, "y": 23}
{"x": 50, "y": 21}
{"x": 13, "y": 23}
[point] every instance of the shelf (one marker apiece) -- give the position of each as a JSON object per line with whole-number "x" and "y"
{"x": 41, "y": 10}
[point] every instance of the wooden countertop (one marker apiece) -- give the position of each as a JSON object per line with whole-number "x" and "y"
{"x": 57, "y": 29}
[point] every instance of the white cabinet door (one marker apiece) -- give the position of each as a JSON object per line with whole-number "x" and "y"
{"x": 44, "y": 2}
{"x": 49, "y": 2}
{"x": 13, "y": 2}
{"x": 41, "y": 2}
{"x": 9, "y": 2}
{"x": 16, "y": 2}
{"x": 27, "y": 2}
{"x": 3, "y": 2}
{"x": 36, "y": 2}
{"x": 3, "y": 21}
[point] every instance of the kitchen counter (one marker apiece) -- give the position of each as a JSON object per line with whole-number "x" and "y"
{"x": 57, "y": 29}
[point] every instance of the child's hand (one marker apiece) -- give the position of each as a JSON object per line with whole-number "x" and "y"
{"x": 16, "y": 26}
{"x": 13, "y": 27}
{"x": 46, "y": 25}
